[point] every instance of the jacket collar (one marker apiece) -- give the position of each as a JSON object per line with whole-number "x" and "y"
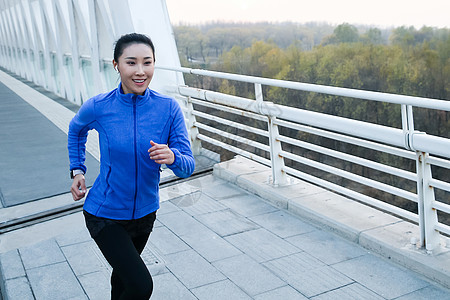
{"x": 130, "y": 98}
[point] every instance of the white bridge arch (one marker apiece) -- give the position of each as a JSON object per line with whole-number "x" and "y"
{"x": 66, "y": 45}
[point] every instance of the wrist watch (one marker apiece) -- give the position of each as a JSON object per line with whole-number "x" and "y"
{"x": 75, "y": 172}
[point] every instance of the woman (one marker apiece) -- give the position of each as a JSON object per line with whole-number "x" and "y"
{"x": 139, "y": 130}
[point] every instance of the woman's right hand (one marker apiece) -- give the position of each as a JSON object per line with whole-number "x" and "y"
{"x": 78, "y": 188}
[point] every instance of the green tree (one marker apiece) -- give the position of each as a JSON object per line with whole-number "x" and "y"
{"x": 344, "y": 33}
{"x": 403, "y": 36}
{"x": 191, "y": 43}
{"x": 372, "y": 36}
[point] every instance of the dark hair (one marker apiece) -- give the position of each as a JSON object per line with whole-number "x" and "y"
{"x": 131, "y": 38}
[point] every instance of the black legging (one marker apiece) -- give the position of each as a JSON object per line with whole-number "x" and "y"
{"x": 130, "y": 278}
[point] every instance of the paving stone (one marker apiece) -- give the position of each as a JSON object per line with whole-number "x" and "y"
{"x": 386, "y": 279}
{"x": 222, "y": 290}
{"x": 262, "y": 245}
{"x": 197, "y": 203}
{"x": 96, "y": 284}
{"x": 153, "y": 259}
{"x": 177, "y": 190}
{"x": 326, "y": 246}
{"x": 166, "y": 208}
{"x": 55, "y": 281}
{"x": 101, "y": 259}
{"x": 283, "y": 224}
{"x": 74, "y": 238}
{"x": 11, "y": 265}
{"x": 288, "y": 266}
{"x": 186, "y": 187}
{"x": 429, "y": 292}
{"x": 192, "y": 269}
{"x": 240, "y": 166}
{"x": 248, "y": 205}
{"x": 227, "y": 222}
{"x": 203, "y": 162}
{"x": 247, "y": 274}
{"x": 211, "y": 246}
{"x": 318, "y": 281}
{"x": 285, "y": 293}
{"x": 41, "y": 254}
{"x": 166, "y": 241}
{"x": 182, "y": 224}
{"x": 83, "y": 258}
{"x": 18, "y": 289}
{"x": 353, "y": 291}
{"x": 307, "y": 274}
{"x": 157, "y": 224}
{"x": 223, "y": 191}
{"x": 167, "y": 286}
{"x": 205, "y": 182}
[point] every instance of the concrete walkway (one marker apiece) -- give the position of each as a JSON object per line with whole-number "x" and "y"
{"x": 232, "y": 235}
{"x": 29, "y": 144}
{"x": 214, "y": 240}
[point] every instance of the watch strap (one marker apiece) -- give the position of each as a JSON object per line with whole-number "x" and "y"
{"x": 75, "y": 172}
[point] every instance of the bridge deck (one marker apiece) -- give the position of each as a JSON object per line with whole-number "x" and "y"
{"x": 229, "y": 235}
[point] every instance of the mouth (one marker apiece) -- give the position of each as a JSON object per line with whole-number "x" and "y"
{"x": 139, "y": 81}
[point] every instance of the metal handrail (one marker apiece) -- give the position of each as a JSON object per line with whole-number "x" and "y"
{"x": 323, "y": 89}
{"x": 379, "y": 133}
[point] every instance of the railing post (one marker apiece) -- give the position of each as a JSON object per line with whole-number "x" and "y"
{"x": 279, "y": 176}
{"x": 192, "y": 129}
{"x": 429, "y": 236}
{"x": 407, "y": 124}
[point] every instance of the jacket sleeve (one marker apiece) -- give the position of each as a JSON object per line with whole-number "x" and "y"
{"x": 81, "y": 123}
{"x": 184, "y": 163}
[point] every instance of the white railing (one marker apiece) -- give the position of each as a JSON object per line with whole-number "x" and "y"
{"x": 406, "y": 143}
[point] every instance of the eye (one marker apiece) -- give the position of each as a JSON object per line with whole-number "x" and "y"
{"x": 148, "y": 63}
{"x": 130, "y": 62}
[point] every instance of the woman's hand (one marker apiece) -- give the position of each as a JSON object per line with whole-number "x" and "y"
{"x": 77, "y": 184}
{"x": 161, "y": 153}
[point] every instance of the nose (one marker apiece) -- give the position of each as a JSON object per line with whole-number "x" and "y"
{"x": 140, "y": 69}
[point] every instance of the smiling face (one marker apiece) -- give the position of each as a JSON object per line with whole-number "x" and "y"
{"x": 136, "y": 67}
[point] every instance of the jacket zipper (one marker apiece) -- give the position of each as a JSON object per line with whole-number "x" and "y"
{"x": 135, "y": 157}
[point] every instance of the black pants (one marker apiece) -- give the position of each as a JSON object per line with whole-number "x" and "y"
{"x": 122, "y": 247}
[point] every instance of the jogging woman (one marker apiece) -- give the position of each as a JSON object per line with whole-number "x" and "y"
{"x": 139, "y": 130}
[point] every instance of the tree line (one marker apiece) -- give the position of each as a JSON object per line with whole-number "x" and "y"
{"x": 401, "y": 60}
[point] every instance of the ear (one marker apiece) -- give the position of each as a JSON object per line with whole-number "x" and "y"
{"x": 115, "y": 65}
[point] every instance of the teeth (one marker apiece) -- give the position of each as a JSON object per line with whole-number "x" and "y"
{"x": 139, "y": 81}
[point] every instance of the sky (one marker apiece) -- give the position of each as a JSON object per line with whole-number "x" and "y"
{"x": 379, "y": 13}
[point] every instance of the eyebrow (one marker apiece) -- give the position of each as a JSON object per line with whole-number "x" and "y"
{"x": 132, "y": 57}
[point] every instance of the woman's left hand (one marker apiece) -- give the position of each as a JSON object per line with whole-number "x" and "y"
{"x": 161, "y": 153}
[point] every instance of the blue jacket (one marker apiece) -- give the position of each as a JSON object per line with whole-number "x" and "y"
{"x": 128, "y": 184}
